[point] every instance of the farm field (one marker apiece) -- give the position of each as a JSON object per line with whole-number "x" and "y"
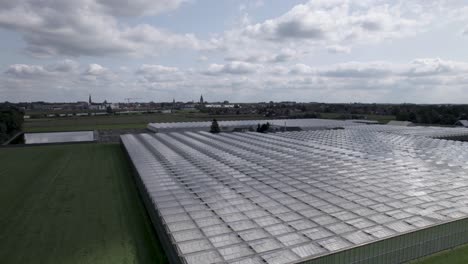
{"x": 120, "y": 121}
{"x": 140, "y": 121}
{"x": 72, "y": 204}
{"x": 381, "y": 118}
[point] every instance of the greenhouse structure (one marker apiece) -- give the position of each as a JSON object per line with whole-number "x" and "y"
{"x": 363, "y": 194}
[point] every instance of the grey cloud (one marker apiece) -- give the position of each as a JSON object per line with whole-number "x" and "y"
{"x": 372, "y": 25}
{"x": 356, "y": 70}
{"x": 139, "y": 7}
{"x": 63, "y": 66}
{"x": 295, "y": 29}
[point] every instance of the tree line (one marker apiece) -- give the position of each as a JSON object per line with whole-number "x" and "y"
{"x": 11, "y": 121}
{"x": 431, "y": 114}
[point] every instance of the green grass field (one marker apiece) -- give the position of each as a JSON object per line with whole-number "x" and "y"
{"x": 458, "y": 255}
{"x": 120, "y": 121}
{"x": 72, "y": 204}
{"x": 142, "y": 120}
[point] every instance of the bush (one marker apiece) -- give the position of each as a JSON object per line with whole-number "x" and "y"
{"x": 215, "y": 127}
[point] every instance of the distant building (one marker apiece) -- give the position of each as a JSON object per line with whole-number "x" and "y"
{"x": 189, "y": 107}
{"x": 400, "y": 123}
{"x": 463, "y": 123}
{"x": 288, "y": 103}
{"x": 97, "y": 106}
{"x": 219, "y": 106}
{"x": 201, "y": 99}
{"x": 364, "y": 121}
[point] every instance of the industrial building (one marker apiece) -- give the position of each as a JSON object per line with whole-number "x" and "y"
{"x": 355, "y": 195}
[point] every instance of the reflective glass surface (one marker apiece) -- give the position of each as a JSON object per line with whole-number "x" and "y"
{"x": 58, "y": 137}
{"x": 286, "y": 197}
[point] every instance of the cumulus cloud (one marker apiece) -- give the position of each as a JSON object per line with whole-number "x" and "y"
{"x": 96, "y": 70}
{"x": 373, "y": 81}
{"x": 337, "y": 21}
{"x": 25, "y": 71}
{"x": 97, "y": 73}
{"x": 235, "y": 67}
{"x": 336, "y": 26}
{"x": 61, "y": 81}
{"x": 38, "y": 71}
{"x": 159, "y": 73}
{"x": 92, "y": 27}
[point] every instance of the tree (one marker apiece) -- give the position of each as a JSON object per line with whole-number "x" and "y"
{"x": 263, "y": 128}
{"x": 11, "y": 121}
{"x": 214, "y": 127}
{"x": 109, "y": 109}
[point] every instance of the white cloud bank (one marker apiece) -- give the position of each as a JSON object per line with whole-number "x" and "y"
{"x": 421, "y": 80}
{"x": 92, "y": 27}
{"x": 253, "y": 61}
{"x": 337, "y": 26}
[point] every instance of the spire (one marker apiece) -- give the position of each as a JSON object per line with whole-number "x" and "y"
{"x": 201, "y": 99}
{"x": 89, "y": 100}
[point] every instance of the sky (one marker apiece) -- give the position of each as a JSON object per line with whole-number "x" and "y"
{"x": 341, "y": 51}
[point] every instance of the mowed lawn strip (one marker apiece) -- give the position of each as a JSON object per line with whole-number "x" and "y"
{"x": 72, "y": 204}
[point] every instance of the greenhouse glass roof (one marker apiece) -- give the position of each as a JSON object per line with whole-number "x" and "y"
{"x": 305, "y": 124}
{"x": 294, "y": 196}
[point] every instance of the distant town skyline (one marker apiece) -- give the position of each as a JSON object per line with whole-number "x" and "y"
{"x": 339, "y": 51}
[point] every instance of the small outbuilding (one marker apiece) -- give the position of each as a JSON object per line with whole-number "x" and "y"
{"x": 463, "y": 123}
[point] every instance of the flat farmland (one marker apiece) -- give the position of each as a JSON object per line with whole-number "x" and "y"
{"x": 72, "y": 204}
{"x": 120, "y": 121}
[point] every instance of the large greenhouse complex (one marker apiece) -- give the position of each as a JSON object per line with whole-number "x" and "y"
{"x": 360, "y": 194}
